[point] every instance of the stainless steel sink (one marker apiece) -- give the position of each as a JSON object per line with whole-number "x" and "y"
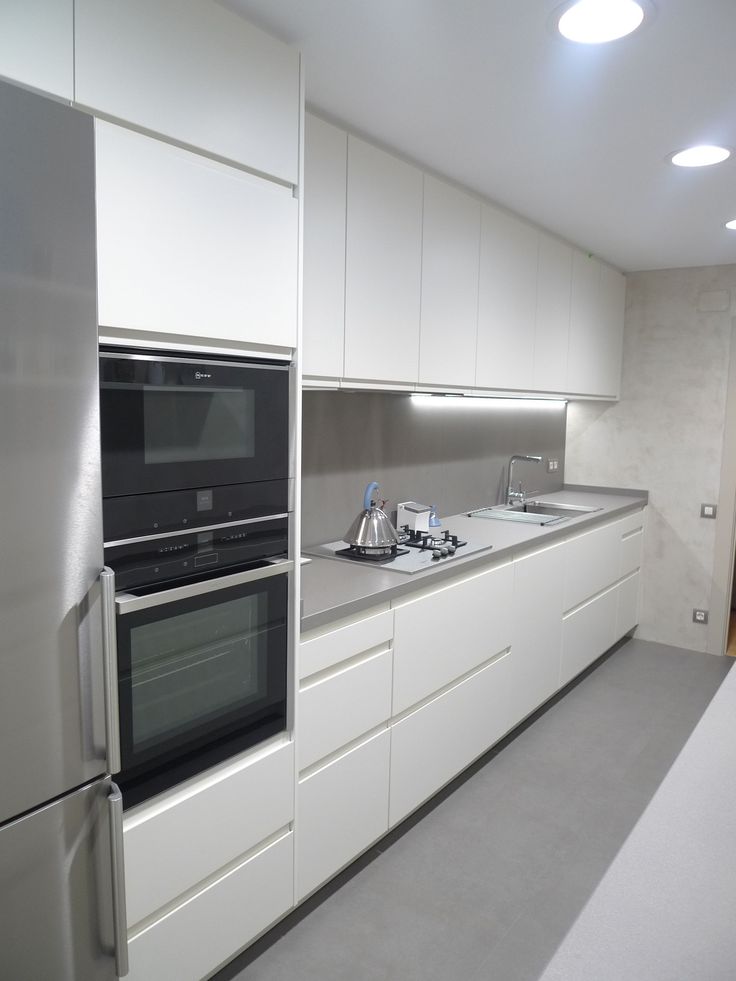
{"x": 533, "y": 512}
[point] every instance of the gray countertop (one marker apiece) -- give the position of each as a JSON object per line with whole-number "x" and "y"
{"x": 332, "y": 589}
{"x": 664, "y": 911}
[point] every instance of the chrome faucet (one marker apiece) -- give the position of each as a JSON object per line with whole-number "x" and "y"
{"x": 518, "y": 495}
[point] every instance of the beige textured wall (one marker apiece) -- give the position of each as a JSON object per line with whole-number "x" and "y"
{"x": 666, "y": 435}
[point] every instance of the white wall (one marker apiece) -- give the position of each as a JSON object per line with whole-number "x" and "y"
{"x": 666, "y": 435}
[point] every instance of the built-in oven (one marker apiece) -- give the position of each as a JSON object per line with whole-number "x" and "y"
{"x": 200, "y": 672}
{"x": 191, "y": 442}
{"x": 196, "y": 592}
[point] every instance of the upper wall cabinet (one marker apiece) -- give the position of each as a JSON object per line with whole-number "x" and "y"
{"x": 37, "y": 45}
{"x": 596, "y": 328}
{"x": 552, "y": 326}
{"x": 507, "y": 304}
{"x": 450, "y": 251}
{"x": 194, "y": 72}
{"x": 323, "y": 300}
{"x": 382, "y": 265}
{"x": 189, "y": 246}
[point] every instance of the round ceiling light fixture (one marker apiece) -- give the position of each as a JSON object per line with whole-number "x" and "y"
{"x": 703, "y": 155}
{"x": 599, "y": 21}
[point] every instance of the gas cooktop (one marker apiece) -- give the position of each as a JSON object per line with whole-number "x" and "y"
{"x": 417, "y": 551}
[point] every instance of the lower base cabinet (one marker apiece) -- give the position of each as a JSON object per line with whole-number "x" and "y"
{"x": 433, "y": 744}
{"x": 587, "y": 632}
{"x": 195, "y": 939}
{"x": 627, "y": 614}
{"x": 342, "y": 809}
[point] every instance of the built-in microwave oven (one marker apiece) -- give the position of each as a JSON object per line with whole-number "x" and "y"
{"x": 195, "y": 462}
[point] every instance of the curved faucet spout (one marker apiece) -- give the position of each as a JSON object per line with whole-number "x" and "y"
{"x": 518, "y": 495}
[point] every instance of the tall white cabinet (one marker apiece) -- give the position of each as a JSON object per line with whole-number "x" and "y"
{"x": 382, "y": 265}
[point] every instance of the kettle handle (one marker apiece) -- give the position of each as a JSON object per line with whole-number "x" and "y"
{"x": 373, "y": 486}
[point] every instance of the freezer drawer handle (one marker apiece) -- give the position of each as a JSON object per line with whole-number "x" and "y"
{"x": 110, "y": 657}
{"x": 120, "y": 920}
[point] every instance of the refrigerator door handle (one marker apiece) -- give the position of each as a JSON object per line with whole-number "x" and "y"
{"x": 110, "y": 656}
{"x": 120, "y": 920}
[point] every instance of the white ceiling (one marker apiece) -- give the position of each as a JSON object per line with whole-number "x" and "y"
{"x": 572, "y": 136}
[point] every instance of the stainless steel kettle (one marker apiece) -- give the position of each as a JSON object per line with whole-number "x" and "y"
{"x": 372, "y": 532}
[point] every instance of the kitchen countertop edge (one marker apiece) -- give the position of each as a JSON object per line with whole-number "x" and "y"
{"x": 359, "y": 589}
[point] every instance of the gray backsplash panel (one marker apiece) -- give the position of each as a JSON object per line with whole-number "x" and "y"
{"x": 454, "y": 457}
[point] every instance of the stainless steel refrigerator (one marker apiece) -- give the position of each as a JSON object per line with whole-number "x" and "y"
{"x": 61, "y": 904}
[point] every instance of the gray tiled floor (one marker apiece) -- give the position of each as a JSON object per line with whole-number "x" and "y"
{"x": 484, "y": 884}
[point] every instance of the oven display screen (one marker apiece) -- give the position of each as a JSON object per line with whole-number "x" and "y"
{"x": 188, "y": 424}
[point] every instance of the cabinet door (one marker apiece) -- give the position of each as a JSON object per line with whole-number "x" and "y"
{"x": 450, "y": 255}
{"x": 194, "y": 72}
{"x": 534, "y": 665}
{"x": 189, "y": 246}
{"x": 383, "y": 263}
{"x": 592, "y": 562}
{"x": 507, "y": 302}
{"x": 629, "y": 602}
{"x": 596, "y": 328}
{"x": 37, "y": 44}
{"x": 440, "y": 637}
{"x": 587, "y": 633}
{"x": 323, "y": 311}
{"x": 341, "y": 810}
{"x": 552, "y": 326}
{"x": 433, "y": 744}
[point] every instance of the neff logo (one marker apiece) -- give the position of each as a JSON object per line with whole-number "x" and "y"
{"x": 201, "y": 374}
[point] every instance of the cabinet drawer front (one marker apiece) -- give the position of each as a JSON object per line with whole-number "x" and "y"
{"x": 342, "y": 809}
{"x": 199, "y": 936}
{"x": 171, "y": 847}
{"x": 592, "y": 563}
{"x": 587, "y": 633}
{"x": 440, "y": 637}
{"x": 632, "y": 522}
{"x": 629, "y": 599}
{"x": 192, "y": 247}
{"x": 631, "y": 552}
{"x": 338, "y": 709}
{"x": 321, "y": 652}
{"x": 433, "y": 744}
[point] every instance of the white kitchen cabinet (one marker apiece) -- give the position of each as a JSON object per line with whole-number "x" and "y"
{"x": 321, "y": 649}
{"x": 344, "y": 705}
{"x": 450, "y": 264}
{"x": 442, "y": 636}
{"x": 587, "y": 632}
{"x": 189, "y": 246}
{"x": 507, "y": 302}
{"x": 194, "y": 72}
{"x": 552, "y": 322}
{"x": 433, "y": 744}
{"x": 323, "y": 302}
{"x": 629, "y": 604}
{"x": 342, "y": 809}
{"x": 534, "y": 665}
{"x": 185, "y": 838}
{"x": 382, "y": 265}
{"x": 592, "y": 563}
{"x": 596, "y": 328}
{"x": 208, "y": 928}
{"x": 37, "y": 45}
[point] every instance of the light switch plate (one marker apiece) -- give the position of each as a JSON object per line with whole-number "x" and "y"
{"x": 700, "y": 616}
{"x": 708, "y": 510}
{"x": 553, "y": 465}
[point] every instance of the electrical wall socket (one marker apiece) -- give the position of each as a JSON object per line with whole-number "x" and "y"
{"x": 553, "y": 465}
{"x": 708, "y": 510}
{"x": 700, "y": 616}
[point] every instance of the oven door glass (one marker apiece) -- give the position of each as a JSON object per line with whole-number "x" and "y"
{"x": 200, "y": 678}
{"x": 176, "y": 423}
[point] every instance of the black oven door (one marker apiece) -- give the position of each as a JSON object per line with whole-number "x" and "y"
{"x": 201, "y": 674}
{"x": 174, "y": 423}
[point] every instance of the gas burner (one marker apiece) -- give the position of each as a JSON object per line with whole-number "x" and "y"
{"x": 446, "y": 544}
{"x": 374, "y": 555}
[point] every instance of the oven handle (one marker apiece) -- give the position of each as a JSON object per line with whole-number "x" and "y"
{"x": 110, "y": 661}
{"x": 129, "y": 603}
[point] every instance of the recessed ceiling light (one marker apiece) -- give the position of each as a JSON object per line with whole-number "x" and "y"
{"x": 731, "y": 224}
{"x": 598, "y": 21}
{"x": 700, "y": 156}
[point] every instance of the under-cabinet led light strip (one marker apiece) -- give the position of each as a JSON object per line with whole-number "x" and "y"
{"x": 484, "y": 402}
